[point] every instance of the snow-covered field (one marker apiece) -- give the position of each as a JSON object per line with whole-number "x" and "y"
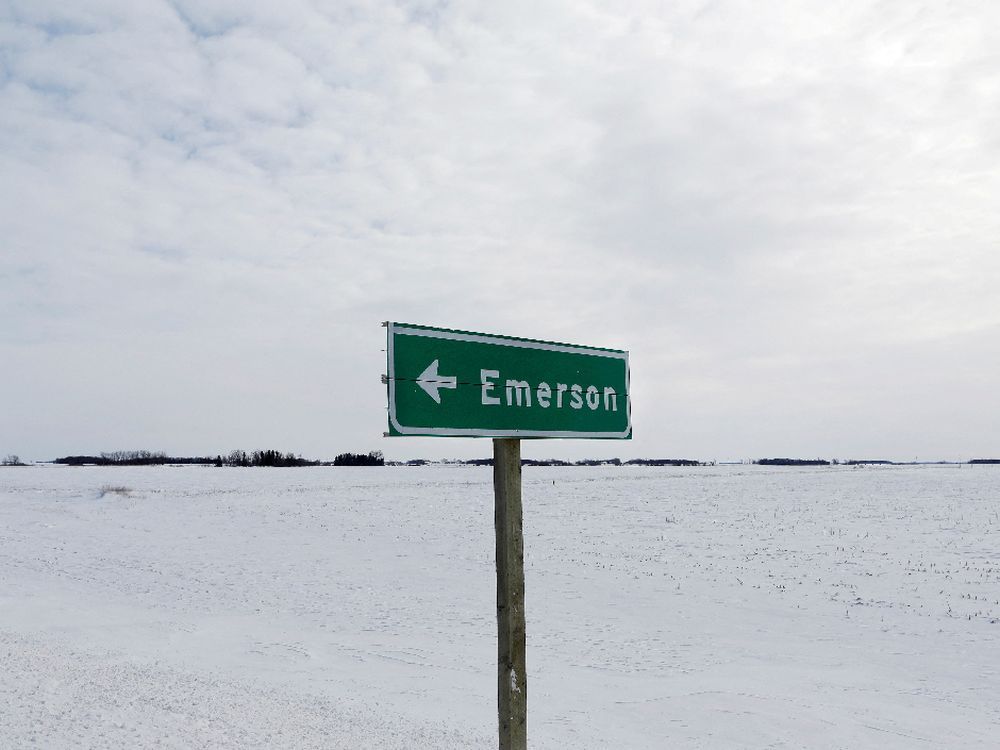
{"x": 722, "y": 607}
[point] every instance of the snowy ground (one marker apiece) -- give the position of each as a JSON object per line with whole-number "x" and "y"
{"x": 729, "y": 607}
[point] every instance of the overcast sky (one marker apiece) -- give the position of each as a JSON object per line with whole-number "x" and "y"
{"x": 788, "y": 213}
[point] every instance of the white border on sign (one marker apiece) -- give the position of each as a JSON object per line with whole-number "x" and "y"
{"x": 394, "y": 330}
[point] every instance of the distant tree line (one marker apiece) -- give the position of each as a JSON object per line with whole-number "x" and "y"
{"x": 792, "y": 462}
{"x": 12, "y": 459}
{"x": 663, "y": 462}
{"x": 581, "y": 462}
{"x": 150, "y": 458}
{"x": 129, "y": 458}
{"x": 263, "y": 458}
{"x": 863, "y": 462}
{"x": 374, "y": 458}
{"x": 524, "y": 462}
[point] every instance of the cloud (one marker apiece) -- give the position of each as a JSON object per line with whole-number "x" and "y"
{"x": 763, "y": 203}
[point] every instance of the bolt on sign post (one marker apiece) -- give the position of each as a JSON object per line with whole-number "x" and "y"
{"x": 449, "y": 383}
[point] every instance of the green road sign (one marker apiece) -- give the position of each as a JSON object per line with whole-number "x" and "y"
{"x": 461, "y": 384}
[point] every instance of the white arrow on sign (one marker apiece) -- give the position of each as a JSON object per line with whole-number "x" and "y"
{"x": 430, "y": 381}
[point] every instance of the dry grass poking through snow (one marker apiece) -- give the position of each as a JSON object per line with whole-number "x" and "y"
{"x": 114, "y": 489}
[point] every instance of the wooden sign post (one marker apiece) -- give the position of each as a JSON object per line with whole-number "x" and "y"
{"x": 448, "y": 383}
{"x": 512, "y": 677}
